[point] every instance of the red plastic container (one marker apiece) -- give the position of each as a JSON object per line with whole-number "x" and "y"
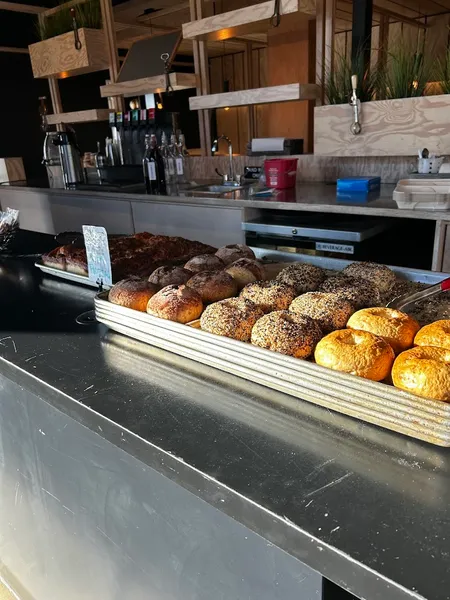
{"x": 281, "y": 173}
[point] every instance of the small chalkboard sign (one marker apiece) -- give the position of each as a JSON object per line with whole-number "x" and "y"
{"x": 98, "y": 258}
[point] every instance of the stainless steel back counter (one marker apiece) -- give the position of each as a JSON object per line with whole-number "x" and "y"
{"x": 126, "y": 471}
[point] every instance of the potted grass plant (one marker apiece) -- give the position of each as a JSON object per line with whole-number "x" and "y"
{"x": 401, "y": 108}
{"x": 65, "y": 50}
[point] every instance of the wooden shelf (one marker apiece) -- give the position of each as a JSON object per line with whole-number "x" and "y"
{"x": 149, "y": 85}
{"x": 80, "y": 116}
{"x": 236, "y": 23}
{"x": 266, "y": 95}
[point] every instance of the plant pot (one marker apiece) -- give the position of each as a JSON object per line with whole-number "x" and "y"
{"x": 389, "y": 128}
{"x": 58, "y": 57}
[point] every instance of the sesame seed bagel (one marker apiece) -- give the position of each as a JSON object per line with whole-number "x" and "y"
{"x": 233, "y": 318}
{"x": 133, "y": 293}
{"x": 359, "y": 292}
{"x": 178, "y": 303}
{"x": 302, "y": 277}
{"x": 287, "y": 333}
{"x": 213, "y": 286}
{"x": 395, "y": 327}
{"x": 356, "y": 352}
{"x": 269, "y": 295}
{"x": 329, "y": 310}
{"x": 380, "y": 275}
{"x": 424, "y": 371}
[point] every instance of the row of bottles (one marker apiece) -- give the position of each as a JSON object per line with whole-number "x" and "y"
{"x": 165, "y": 167}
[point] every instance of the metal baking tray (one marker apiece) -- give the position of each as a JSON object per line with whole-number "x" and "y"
{"x": 74, "y": 277}
{"x": 373, "y": 402}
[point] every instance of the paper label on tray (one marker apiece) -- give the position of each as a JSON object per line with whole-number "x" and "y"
{"x": 98, "y": 258}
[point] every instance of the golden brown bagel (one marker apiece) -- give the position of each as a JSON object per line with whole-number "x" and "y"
{"x": 424, "y": 371}
{"x": 287, "y": 333}
{"x": 133, "y": 293}
{"x": 176, "y": 303}
{"x": 435, "y": 334}
{"x": 356, "y": 352}
{"x": 396, "y": 328}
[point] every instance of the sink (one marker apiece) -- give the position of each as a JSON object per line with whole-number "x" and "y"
{"x": 216, "y": 189}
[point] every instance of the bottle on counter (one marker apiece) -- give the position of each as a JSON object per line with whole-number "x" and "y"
{"x": 159, "y": 163}
{"x": 183, "y": 165}
{"x": 149, "y": 168}
{"x": 169, "y": 166}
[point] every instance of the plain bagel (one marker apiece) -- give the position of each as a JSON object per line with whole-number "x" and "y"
{"x": 424, "y": 371}
{"x": 356, "y": 352}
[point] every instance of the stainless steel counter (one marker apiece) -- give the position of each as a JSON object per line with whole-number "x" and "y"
{"x": 305, "y": 197}
{"x": 365, "y": 508}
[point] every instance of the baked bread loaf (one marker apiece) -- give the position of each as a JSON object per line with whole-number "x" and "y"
{"x": 204, "y": 262}
{"x": 233, "y": 318}
{"x": 233, "y": 252}
{"x": 424, "y": 371}
{"x": 213, "y": 286}
{"x": 359, "y": 292}
{"x": 380, "y": 275}
{"x": 269, "y": 295}
{"x": 435, "y": 334}
{"x": 302, "y": 277}
{"x": 133, "y": 293}
{"x": 164, "y": 276}
{"x": 178, "y": 303}
{"x": 356, "y": 352}
{"x": 396, "y": 328}
{"x": 329, "y": 310}
{"x": 287, "y": 333}
{"x": 245, "y": 271}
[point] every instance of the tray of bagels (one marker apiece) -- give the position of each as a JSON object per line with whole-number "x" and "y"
{"x": 315, "y": 328}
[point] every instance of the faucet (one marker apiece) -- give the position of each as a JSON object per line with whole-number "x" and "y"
{"x": 215, "y": 146}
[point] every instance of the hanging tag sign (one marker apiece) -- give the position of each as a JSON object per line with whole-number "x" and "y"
{"x": 98, "y": 258}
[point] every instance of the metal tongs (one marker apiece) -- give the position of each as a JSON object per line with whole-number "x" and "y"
{"x": 402, "y": 301}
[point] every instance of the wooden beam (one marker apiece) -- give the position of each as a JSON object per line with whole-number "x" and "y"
{"x": 329, "y": 31}
{"x": 23, "y": 8}
{"x": 81, "y": 116}
{"x": 111, "y": 44}
{"x": 148, "y": 85}
{"x": 321, "y": 73}
{"x": 398, "y": 17}
{"x": 51, "y": 11}
{"x": 248, "y": 84}
{"x": 204, "y": 78}
{"x": 56, "y": 99}
{"x": 266, "y": 95}
{"x": 195, "y": 48}
{"x": 14, "y": 50}
{"x": 236, "y": 22}
{"x": 383, "y": 42}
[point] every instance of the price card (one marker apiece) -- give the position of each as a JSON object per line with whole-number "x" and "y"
{"x": 98, "y": 258}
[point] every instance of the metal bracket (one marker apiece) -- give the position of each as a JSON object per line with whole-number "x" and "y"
{"x": 276, "y": 17}
{"x": 78, "y": 44}
{"x": 165, "y": 58}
